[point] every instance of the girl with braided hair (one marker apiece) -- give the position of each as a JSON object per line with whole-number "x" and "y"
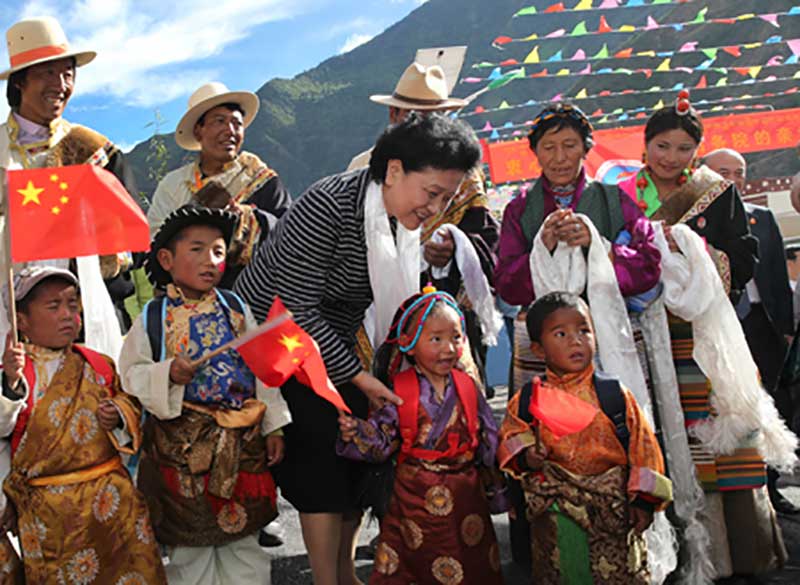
{"x": 437, "y": 527}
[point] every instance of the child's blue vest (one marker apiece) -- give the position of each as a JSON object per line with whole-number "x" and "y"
{"x": 225, "y": 380}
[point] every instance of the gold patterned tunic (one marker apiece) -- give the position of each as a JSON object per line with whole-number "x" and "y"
{"x": 80, "y": 518}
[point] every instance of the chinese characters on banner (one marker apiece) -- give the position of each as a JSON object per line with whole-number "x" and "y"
{"x": 513, "y": 161}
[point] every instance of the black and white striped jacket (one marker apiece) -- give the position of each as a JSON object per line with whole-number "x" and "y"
{"x": 316, "y": 261}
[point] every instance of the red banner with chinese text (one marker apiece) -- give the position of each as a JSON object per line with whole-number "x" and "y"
{"x": 512, "y": 160}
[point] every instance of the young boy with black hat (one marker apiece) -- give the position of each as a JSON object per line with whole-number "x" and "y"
{"x": 213, "y": 429}
{"x": 78, "y": 516}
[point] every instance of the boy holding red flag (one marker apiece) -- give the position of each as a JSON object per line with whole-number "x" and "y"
{"x": 214, "y": 429}
{"x": 78, "y": 516}
{"x": 592, "y": 481}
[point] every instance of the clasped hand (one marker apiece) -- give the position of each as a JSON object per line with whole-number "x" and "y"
{"x": 564, "y": 226}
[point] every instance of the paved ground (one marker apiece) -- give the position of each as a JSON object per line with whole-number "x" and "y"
{"x": 290, "y": 564}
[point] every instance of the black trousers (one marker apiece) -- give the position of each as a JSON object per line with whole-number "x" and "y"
{"x": 766, "y": 344}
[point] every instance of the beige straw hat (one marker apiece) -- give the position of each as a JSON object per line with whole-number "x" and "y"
{"x": 204, "y": 99}
{"x": 420, "y": 88}
{"x": 38, "y": 40}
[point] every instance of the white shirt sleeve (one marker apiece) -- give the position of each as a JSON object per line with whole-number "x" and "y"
{"x": 146, "y": 379}
{"x": 10, "y": 410}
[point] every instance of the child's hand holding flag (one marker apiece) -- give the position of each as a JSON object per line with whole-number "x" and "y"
{"x": 279, "y": 349}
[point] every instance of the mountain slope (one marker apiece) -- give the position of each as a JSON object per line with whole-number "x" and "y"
{"x": 311, "y": 126}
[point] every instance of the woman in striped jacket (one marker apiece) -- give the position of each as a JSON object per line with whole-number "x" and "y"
{"x": 349, "y": 243}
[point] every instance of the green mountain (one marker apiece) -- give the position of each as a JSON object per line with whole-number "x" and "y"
{"x": 310, "y": 126}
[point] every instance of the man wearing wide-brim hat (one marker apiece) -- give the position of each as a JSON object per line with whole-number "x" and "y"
{"x": 222, "y": 175}
{"x": 39, "y": 84}
{"x": 425, "y": 89}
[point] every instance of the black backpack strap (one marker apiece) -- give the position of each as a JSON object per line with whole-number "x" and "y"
{"x": 525, "y": 403}
{"x": 231, "y": 300}
{"x": 153, "y": 315}
{"x": 612, "y": 401}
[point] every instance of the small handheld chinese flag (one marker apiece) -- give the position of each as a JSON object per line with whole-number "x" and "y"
{"x": 276, "y": 351}
{"x": 562, "y": 413}
{"x": 64, "y": 212}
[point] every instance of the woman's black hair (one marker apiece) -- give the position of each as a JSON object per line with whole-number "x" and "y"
{"x": 422, "y": 141}
{"x": 230, "y": 106}
{"x": 666, "y": 119}
{"x": 558, "y": 116}
{"x": 545, "y": 306}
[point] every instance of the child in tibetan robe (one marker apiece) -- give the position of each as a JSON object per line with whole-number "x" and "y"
{"x": 589, "y": 494}
{"x": 212, "y": 429}
{"x": 69, "y": 498}
{"x": 437, "y": 528}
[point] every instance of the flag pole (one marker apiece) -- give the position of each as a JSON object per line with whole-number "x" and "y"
{"x": 12, "y": 302}
{"x": 234, "y": 343}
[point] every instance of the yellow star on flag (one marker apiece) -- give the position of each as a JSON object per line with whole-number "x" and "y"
{"x": 290, "y": 342}
{"x": 55, "y": 210}
{"x": 30, "y": 193}
{"x": 63, "y": 186}
{"x": 54, "y": 177}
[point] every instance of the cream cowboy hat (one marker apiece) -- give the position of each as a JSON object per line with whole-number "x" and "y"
{"x": 210, "y": 96}
{"x": 420, "y": 88}
{"x": 38, "y": 40}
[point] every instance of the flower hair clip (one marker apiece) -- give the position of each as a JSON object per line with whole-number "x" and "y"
{"x": 682, "y": 103}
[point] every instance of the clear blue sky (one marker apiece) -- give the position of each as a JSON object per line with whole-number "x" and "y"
{"x": 153, "y": 53}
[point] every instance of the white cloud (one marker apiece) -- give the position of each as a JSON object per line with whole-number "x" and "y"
{"x": 126, "y": 147}
{"x": 353, "y": 41}
{"x": 151, "y": 51}
{"x": 356, "y": 24}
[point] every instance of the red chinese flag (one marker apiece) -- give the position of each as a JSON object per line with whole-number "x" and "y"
{"x": 280, "y": 349}
{"x": 273, "y": 351}
{"x": 63, "y": 212}
{"x": 562, "y": 413}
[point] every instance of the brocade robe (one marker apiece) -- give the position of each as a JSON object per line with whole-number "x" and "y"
{"x": 80, "y": 518}
{"x": 584, "y": 490}
{"x": 438, "y": 528}
{"x": 203, "y": 467}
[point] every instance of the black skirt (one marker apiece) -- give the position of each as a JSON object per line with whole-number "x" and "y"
{"x": 312, "y": 477}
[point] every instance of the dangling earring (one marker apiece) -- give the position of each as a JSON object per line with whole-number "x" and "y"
{"x": 644, "y": 157}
